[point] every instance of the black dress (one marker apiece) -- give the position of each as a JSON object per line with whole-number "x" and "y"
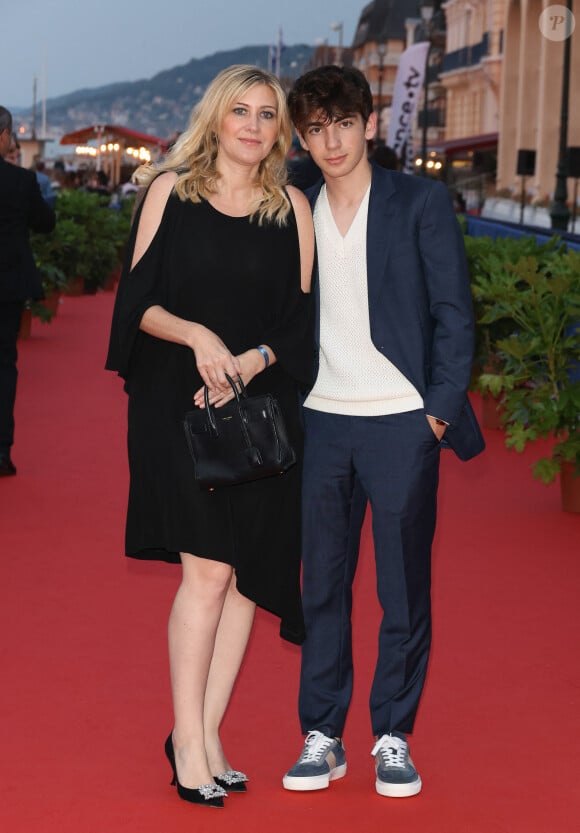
{"x": 242, "y": 281}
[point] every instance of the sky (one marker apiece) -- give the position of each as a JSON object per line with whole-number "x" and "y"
{"x": 114, "y": 40}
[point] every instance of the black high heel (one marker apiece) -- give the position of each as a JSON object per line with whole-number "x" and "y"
{"x": 208, "y": 795}
{"x": 232, "y": 781}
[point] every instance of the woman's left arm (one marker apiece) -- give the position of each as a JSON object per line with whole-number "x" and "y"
{"x": 303, "y": 215}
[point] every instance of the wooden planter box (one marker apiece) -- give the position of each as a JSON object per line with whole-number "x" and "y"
{"x": 569, "y": 488}
{"x": 51, "y": 301}
{"x": 25, "y": 324}
{"x": 75, "y": 287}
{"x": 490, "y": 412}
{"x": 112, "y": 280}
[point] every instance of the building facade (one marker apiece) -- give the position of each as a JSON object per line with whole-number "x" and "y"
{"x": 385, "y": 29}
{"x": 471, "y": 73}
{"x": 472, "y": 67}
{"x": 531, "y": 96}
{"x": 497, "y": 89}
{"x": 379, "y": 40}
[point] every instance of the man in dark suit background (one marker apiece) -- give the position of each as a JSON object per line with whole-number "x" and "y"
{"x": 395, "y": 341}
{"x": 22, "y": 209}
{"x": 303, "y": 172}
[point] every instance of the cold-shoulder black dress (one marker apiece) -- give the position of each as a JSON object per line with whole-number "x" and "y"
{"x": 242, "y": 281}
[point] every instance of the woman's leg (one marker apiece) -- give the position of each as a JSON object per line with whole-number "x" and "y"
{"x": 193, "y": 625}
{"x": 230, "y": 646}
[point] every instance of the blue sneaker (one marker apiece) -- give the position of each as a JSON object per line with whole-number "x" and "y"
{"x": 396, "y": 774}
{"x": 322, "y": 760}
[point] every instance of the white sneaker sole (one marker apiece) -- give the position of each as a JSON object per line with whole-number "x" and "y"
{"x": 300, "y": 783}
{"x": 398, "y": 790}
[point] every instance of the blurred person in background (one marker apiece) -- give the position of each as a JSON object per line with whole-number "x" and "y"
{"x": 22, "y": 209}
{"x": 13, "y": 154}
{"x": 44, "y": 182}
{"x": 386, "y": 157}
{"x": 303, "y": 172}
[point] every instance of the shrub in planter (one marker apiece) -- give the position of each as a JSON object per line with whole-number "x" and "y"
{"x": 537, "y": 380}
{"x": 91, "y": 213}
{"x": 122, "y": 226}
{"x": 52, "y": 255}
{"x": 490, "y": 267}
{"x": 61, "y": 255}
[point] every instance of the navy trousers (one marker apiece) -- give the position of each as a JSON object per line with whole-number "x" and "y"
{"x": 393, "y": 462}
{"x": 10, "y": 317}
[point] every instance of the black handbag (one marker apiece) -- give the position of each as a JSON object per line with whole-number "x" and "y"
{"x": 245, "y": 439}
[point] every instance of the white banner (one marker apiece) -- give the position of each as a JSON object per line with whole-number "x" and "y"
{"x": 408, "y": 85}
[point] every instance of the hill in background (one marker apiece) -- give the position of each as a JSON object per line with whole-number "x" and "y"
{"x": 160, "y": 105}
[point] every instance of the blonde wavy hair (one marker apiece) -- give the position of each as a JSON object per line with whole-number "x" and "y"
{"x": 193, "y": 156}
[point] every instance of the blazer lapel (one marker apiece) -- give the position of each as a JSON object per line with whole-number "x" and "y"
{"x": 313, "y": 192}
{"x": 312, "y": 195}
{"x": 382, "y": 207}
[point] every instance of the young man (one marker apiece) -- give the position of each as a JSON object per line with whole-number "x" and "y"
{"x": 395, "y": 346}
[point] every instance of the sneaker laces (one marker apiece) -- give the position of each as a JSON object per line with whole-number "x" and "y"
{"x": 393, "y": 751}
{"x": 315, "y": 747}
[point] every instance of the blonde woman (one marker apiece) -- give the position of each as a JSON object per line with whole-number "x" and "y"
{"x": 216, "y": 283}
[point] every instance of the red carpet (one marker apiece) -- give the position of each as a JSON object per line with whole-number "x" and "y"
{"x": 84, "y": 700}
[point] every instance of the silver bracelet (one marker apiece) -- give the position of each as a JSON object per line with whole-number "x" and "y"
{"x": 264, "y": 353}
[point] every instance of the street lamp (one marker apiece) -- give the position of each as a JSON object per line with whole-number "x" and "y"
{"x": 338, "y": 27}
{"x": 99, "y": 129}
{"x": 427, "y": 17}
{"x": 559, "y": 211}
{"x": 322, "y": 42}
{"x": 381, "y": 49}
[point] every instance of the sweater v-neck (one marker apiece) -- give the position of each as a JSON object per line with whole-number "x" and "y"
{"x": 344, "y": 238}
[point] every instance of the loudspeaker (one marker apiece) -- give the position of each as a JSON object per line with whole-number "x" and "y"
{"x": 574, "y": 163}
{"x": 526, "y": 163}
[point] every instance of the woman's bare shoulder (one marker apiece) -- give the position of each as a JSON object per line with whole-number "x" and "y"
{"x": 299, "y": 202}
{"x": 161, "y": 187}
{"x": 153, "y": 208}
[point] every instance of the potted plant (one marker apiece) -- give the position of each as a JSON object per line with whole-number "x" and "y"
{"x": 95, "y": 251}
{"x": 101, "y": 248}
{"x": 490, "y": 263}
{"x": 85, "y": 247}
{"x": 53, "y": 283}
{"x": 121, "y": 228}
{"x": 538, "y": 379}
{"x": 65, "y": 248}
{"x": 47, "y": 252}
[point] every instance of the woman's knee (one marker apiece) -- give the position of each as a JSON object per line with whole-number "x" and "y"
{"x": 205, "y": 577}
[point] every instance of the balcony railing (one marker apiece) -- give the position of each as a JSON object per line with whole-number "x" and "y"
{"x": 467, "y": 56}
{"x": 387, "y": 88}
{"x": 433, "y": 72}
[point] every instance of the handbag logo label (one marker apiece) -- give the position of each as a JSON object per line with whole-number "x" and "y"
{"x": 253, "y": 446}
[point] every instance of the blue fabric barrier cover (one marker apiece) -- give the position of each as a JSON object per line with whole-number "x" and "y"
{"x": 480, "y": 227}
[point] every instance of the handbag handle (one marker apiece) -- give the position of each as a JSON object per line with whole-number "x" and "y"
{"x": 210, "y": 408}
{"x": 252, "y": 453}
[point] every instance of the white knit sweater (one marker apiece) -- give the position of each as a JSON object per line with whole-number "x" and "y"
{"x": 354, "y": 378}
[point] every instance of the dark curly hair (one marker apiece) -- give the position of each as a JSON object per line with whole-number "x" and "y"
{"x": 331, "y": 92}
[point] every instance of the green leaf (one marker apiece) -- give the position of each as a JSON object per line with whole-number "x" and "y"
{"x": 546, "y": 470}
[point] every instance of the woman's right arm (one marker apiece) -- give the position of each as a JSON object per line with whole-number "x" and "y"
{"x": 212, "y": 357}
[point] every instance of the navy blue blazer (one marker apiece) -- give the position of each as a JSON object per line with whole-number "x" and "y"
{"x": 420, "y": 306}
